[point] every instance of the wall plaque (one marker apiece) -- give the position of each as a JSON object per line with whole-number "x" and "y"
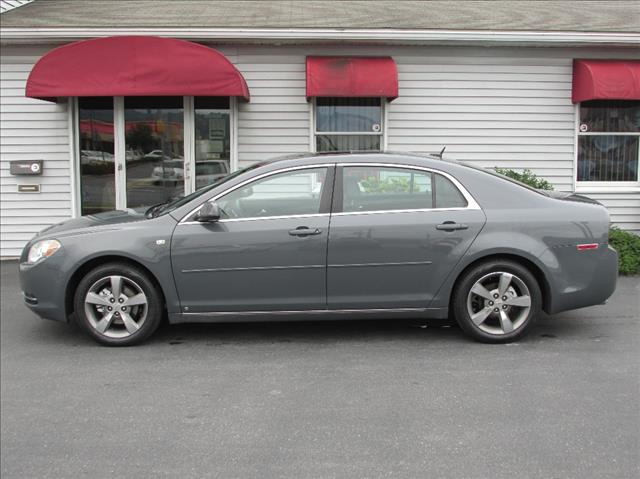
{"x": 32, "y": 167}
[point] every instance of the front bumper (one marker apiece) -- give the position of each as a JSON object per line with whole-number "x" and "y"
{"x": 43, "y": 288}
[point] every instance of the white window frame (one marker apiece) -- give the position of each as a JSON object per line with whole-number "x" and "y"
{"x": 120, "y": 148}
{"x": 382, "y": 133}
{"x": 599, "y": 186}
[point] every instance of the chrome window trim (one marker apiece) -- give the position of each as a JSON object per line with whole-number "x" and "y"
{"x": 472, "y": 204}
{"x": 184, "y": 220}
{"x": 416, "y": 210}
{"x": 255, "y": 218}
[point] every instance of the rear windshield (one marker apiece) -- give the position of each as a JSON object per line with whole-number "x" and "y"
{"x": 493, "y": 172}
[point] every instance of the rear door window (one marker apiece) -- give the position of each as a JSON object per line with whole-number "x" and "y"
{"x": 447, "y": 194}
{"x": 379, "y": 188}
{"x": 383, "y": 188}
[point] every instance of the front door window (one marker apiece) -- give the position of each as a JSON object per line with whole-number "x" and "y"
{"x": 154, "y": 139}
{"x": 291, "y": 193}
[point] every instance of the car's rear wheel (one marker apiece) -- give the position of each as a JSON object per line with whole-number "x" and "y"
{"x": 497, "y": 301}
{"x": 118, "y": 304}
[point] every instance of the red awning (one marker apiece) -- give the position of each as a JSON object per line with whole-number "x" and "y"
{"x": 134, "y": 66}
{"x": 352, "y": 77}
{"x": 605, "y": 80}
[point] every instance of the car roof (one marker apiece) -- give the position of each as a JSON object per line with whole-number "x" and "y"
{"x": 349, "y": 154}
{"x": 428, "y": 160}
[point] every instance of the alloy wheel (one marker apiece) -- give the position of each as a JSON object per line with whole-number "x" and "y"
{"x": 499, "y": 303}
{"x": 116, "y": 306}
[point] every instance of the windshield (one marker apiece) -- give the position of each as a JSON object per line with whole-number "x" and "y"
{"x": 163, "y": 209}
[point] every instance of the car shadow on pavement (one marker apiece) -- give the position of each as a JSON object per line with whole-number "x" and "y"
{"x": 443, "y": 332}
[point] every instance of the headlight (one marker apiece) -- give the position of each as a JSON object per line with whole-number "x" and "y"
{"x": 42, "y": 249}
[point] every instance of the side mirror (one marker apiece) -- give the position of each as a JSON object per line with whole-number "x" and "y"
{"x": 208, "y": 213}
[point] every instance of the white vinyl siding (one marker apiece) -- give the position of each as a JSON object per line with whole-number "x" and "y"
{"x": 30, "y": 130}
{"x": 276, "y": 121}
{"x": 624, "y": 208}
{"x": 511, "y": 112}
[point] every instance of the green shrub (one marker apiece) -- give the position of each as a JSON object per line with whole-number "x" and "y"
{"x": 628, "y": 246}
{"x": 527, "y": 177}
{"x": 387, "y": 185}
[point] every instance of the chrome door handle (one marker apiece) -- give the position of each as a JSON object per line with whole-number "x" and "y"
{"x": 305, "y": 231}
{"x": 451, "y": 226}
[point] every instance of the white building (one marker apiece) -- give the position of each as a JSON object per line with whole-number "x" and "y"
{"x": 553, "y": 86}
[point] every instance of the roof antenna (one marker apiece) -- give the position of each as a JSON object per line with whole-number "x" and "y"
{"x": 439, "y": 155}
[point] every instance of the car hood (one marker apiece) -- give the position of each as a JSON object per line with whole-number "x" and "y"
{"x": 90, "y": 223}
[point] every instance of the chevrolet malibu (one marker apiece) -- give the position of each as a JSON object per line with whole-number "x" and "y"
{"x": 340, "y": 236}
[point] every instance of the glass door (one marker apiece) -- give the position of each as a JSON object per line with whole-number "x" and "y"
{"x": 154, "y": 150}
{"x": 97, "y": 161}
{"x": 212, "y": 140}
{"x": 132, "y": 151}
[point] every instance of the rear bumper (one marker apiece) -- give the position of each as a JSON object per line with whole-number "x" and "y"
{"x": 589, "y": 278}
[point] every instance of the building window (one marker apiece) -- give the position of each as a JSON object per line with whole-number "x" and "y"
{"x": 154, "y": 136}
{"x": 212, "y": 139}
{"x": 97, "y": 162}
{"x": 135, "y": 152}
{"x": 608, "y": 142}
{"x": 347, "y": 124}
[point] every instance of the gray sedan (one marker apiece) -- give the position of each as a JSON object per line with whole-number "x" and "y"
{"x": 373, "y": 235}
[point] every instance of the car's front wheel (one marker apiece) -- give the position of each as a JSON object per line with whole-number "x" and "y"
{"x": 497, "y": 301}
{"x": 118, "y": 304}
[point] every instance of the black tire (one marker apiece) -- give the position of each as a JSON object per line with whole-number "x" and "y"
{"x": 133, "y": 276}
{"x": 461, "y": 302}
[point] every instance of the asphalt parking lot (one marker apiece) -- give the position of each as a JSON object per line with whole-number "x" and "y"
{"x": 327, "y": 400}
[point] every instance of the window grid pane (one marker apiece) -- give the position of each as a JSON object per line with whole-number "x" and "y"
{"x": 348, "y": 115}
{"x": 212, "y": 140}
{"x": 347, "y": 142}
{"x": 97, "y": 161}
{"x": 610, "y": 116}
{"x": 154, "y": 139}
{"x": 608, "y": 158}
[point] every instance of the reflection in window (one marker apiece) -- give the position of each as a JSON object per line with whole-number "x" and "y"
{"x": 610, "y": 116}
{"x": 154, "y": 135}
{"x": 292, "y": 193}
{"x": 345, "y": 124}
{"x": 380, "y": 188}
{"x": 97, "y": 165}
{"x": 608, "y": 141}
{"x": 212, "y": 139}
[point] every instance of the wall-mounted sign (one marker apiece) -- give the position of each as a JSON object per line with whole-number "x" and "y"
{"x": 28, "y": 188}
{"x": 584, "y": 127}
{"x": 32, "y": 167}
